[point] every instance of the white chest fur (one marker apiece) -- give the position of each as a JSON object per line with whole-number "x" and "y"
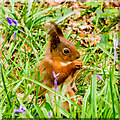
{"x": 64, "y": 64}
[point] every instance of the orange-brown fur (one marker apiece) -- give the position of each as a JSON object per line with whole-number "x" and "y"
{"x": 56, "y": 59}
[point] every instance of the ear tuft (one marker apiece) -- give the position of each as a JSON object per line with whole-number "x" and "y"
{"x": 54, "y": 39}
{"x": 57, "y": 28}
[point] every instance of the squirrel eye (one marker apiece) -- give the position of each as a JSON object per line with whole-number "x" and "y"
{"x": 66, "y": 50}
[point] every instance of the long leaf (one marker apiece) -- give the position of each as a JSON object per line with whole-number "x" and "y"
{"x": 105, "y": 51}
{"x": 84, "y": 102}
{"x": 29, "y": 7}
{"x": 111, "y": 89}
{"x": 12, "y": 2}
{"x": 64, "y": 17}
{"x": 93, "y": 96}
{"x": 18, "y": 84}
{"x": 5, "y": 86}
{"x": 39, "y": 111}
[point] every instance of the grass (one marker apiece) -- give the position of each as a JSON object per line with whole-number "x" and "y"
{"x": 19, "y": 56}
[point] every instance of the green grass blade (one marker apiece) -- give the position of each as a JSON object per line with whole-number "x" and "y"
{"x": 111, "y": 88}
{"x": 63, "y": 111}
{"x": 29, "y": 7}
{"x": 38, "y": 8}
{"x": 105, "y": 51}
{"x": 34, "y": 50}
{"x": 10, "y": 49}
{"x": 37, "y": 89}
{"x": 30, "y": 90}
{"x": 2, "y": 104}
{"x": 45, "y": 112}
{"x": 85, "y": 103}
{"x": 93, "y": 96}
{"x": 0, "y": 115}
{"x": 12, "y": 2}
{"x": 64, "y": 17}
{"x": 39, "y": 111}
{"x": 18, "y": 84}
{"x": 5, "y": 86}
{"x": 41, "y": 12}
{"x": 87, "y": 57}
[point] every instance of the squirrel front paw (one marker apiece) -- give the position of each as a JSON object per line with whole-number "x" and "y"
{"x": 78, "y": 64}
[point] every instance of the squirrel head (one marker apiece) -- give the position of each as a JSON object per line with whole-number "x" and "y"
{"x": 59, "y": 47}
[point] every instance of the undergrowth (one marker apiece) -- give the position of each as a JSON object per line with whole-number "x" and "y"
{"x": 23, "y": 46}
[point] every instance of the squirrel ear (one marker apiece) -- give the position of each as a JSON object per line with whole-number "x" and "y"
{"x": 57, "y": 28}
{"x": 54, "y": 40}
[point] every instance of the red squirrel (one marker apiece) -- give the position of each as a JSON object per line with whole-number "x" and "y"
{"x": 61, "y": 57}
